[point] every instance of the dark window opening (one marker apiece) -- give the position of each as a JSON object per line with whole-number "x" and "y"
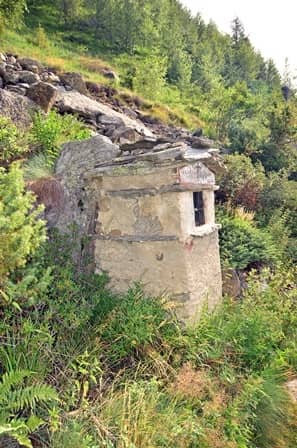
{"x": 198, "y": 208}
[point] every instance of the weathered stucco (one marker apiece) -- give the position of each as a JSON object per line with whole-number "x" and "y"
{"x": 146, "y": 232}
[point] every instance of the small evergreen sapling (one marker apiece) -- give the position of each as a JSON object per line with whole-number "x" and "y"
{"x": 21, "y": 230}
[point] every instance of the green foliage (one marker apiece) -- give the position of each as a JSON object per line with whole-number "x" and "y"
{"x": 243, "y": 245}
{"x": 41, "y": 38}
{"x": 242, "y": 182}
{"x": 87, "y": 292}
{"x": 11, "y": 12}
{"x": 21, "y": 229}
{"x": 149, "y": 77}
{"x": 73, "y": 435}
{"x": 38, "y": 167}
{"x": 136, "y": 322}
{"x": 246, "y": 341}
{"x": 51, "y": 131}
{"x": 128, "y": 353}
{"x": 13, "y": 144}
{"x": 142, "y": 415}
{"x": 15, "y": 397}
{"x": 259, "y": 415}
{"x": 71, "y": 9}
{"x": 278, "y": 211}
{"x": 278, "y": 193}
{"x": 127, "y": 372}
{"x": 250, "y": 334}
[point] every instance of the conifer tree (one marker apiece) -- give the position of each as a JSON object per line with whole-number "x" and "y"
{"x": 21, "y": 230}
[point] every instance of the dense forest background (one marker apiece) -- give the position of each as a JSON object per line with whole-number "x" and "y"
{"x": 83, "y": 368}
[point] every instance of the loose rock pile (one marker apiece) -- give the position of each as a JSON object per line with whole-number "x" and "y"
{"x": 26, "y": 85}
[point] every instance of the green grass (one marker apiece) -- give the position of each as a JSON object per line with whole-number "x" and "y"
{"x": 129, "y": 374}
{"x": 54, "y": 53}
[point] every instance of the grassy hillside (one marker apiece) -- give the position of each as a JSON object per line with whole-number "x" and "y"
{"x": 63, "y": 57}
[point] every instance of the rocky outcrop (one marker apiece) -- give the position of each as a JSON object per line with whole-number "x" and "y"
{"x": 79, "y": 204}
{"x": 30, "y": 64}
{"x": 69, "y": 94}
{"x": 27, "y": 86}
{"x": 104, "y": 118}
{"x": 103, "y": 108}
{"x": 74, "y": 81}
{"x": 17, "y": 107}
{"x": 43, "y": 94}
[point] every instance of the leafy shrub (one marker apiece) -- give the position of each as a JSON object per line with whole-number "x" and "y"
{"x": 242, "y": 183}
{"x": 72, "y": 289}
{"x": 13, "y": 143}
{"x": 243, "y": 245}
{"x": 51, "y": 131}
{"x": 28, "y": 285}
{"x": 251, "y": 334}
{"x": 278, "y": 193}
{"x": 238, "y": 338}
{"x": 144, "y": 75}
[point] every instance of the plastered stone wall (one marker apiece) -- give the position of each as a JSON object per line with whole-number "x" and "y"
{"x": 203, "y": 274}
{"x": 156, "y": 264}
{"x": 146, "y": 232}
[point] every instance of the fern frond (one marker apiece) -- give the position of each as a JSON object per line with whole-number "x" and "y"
{"x": 28, "y": 397}
{"x": 9, "y": 380}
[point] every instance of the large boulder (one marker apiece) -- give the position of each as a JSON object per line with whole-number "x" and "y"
{"x": 30, "y": 64}
{"x": 17, "y": 107}
{"x": 124, "y": 134}
{"x": 76, "y": 160}
{"x": 11, "y": 59}
{"x": 2, "y": 68}
{"x": 10, "y": 76}
{"x": 28, "y": 77}
{"x": 43, "y": 94}
{"x": 76, "y": 103}
{"x": 50, "y": 77}
{"x": 75, "y": 81}
{"x": 21, "y": 89}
